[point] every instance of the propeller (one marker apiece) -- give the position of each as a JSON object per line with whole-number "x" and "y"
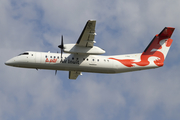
{"x": 61, "y": 46}
{"x": 55, "y": 72}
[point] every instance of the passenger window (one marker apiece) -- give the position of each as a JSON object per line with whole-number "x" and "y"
{"x": 46, "y": 56}
{"x": 92, "y": 59}
{"x": 51, "y": 57}
{"x": 83, "y": 58}
{"x": 57, "y": 57}
{"x": 98, "y": 60}
{"x": 87, "y": 59}
{"x": 54, "y": 57}
{"x": 72, "y": 58}
{"x": 32, "y": 54}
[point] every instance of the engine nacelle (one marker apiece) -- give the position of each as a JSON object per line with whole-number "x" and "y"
{"x": 72, "y": 48}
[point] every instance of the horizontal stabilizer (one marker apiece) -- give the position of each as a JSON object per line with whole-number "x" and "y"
{"x": 166, "y": 32}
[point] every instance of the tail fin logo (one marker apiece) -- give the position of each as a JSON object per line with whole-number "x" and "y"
{"x": 158, "y": 48}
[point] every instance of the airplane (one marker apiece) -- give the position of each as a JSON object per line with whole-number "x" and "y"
{"x": 85, "y": 57}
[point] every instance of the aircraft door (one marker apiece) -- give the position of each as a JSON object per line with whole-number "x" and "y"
{"x": 31, "y": 58}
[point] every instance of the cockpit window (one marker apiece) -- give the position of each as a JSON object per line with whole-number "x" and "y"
{"x": 26, "y": 53}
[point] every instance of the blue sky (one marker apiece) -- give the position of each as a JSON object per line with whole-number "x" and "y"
{"x": 122, "y": 27}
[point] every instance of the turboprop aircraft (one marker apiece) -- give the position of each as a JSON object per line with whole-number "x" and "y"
{"x": 85, "y": 57}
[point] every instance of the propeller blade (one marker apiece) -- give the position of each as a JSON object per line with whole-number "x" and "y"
{"x": 62, "y": 42}
{"x": 55, "y": 72}
{"x": 61, "y": 46}
{"x": 61, "y": 53}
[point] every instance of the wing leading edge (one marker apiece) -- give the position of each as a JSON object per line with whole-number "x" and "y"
{"x": 86, "y": 38}
{"x": 85, "y": 43}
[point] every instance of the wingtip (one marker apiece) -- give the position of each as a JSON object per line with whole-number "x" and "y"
{"x": 91, "y": 20}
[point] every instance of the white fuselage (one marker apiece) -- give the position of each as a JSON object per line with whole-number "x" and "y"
{"x": 76, "y": 62}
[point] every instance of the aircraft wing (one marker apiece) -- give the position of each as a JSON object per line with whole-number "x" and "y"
{"x": 74, "y": 74}
{"x": 86, "y": 38}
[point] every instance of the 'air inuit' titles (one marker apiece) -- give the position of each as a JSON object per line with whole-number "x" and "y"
{"x": 62, "y": 61}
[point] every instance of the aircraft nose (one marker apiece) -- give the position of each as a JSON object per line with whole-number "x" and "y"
{"x": 10, "y": 62}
